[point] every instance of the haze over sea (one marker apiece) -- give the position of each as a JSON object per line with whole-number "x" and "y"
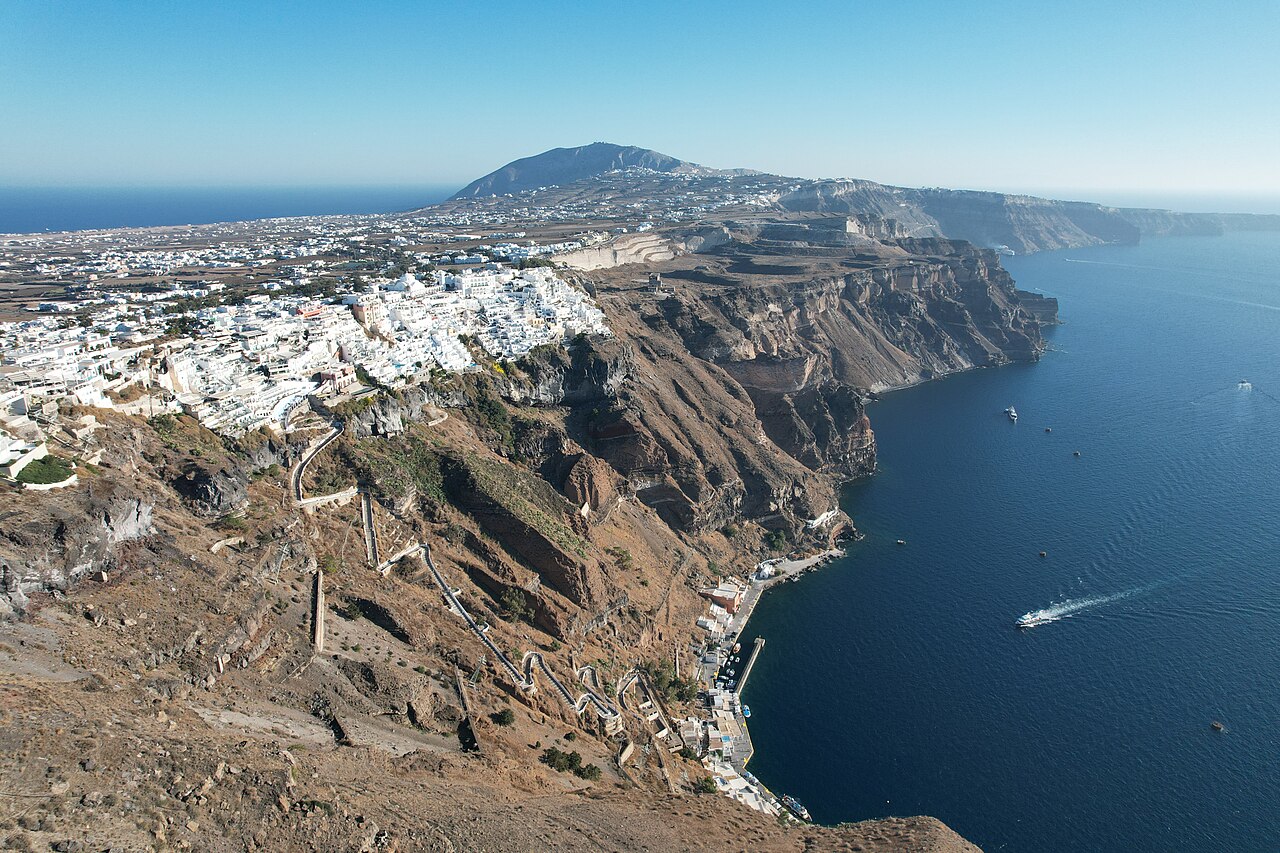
{"x": 25, "y": 209}
{"x": 894, "y": 681}
{"x": 28, "y": 209}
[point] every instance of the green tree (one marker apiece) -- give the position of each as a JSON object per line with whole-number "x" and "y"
{"x": 44, "y": 471}
{"x": 561, "y": 761}
{"x": 514, "y": 605}
{"x": 662, "y": 676}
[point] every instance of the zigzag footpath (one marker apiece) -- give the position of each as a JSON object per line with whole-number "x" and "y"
{"x": 370, "y": 535}
{"x": 524, "y": 676}
{"x": 299, "y": 470}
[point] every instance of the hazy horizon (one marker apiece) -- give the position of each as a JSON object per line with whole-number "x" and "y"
{"x": 347, "y": 198}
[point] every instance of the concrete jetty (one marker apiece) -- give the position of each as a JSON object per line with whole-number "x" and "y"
{"x": 755, "y": 652}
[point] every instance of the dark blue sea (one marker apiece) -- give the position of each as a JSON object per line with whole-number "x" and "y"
{"x": 894, "y": 681}
{"x": 29, "y": 209}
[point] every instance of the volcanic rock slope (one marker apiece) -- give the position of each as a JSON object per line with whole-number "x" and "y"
{"x": 167, "y": 694}
{"x": 162, "y": 682}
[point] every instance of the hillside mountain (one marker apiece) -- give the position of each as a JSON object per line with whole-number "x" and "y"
{"x": 1016, "y": 223}
{"x": 565, "y": 165}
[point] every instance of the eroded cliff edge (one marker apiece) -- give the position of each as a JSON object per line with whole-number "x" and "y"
{"x": 577, "y": 499}
{"x": 750, "y": 365}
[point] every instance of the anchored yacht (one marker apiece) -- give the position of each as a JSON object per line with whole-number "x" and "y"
{"x": 1012, "y": 413}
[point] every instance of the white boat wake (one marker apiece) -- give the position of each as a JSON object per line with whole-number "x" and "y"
{"x": 1066, "y": 609}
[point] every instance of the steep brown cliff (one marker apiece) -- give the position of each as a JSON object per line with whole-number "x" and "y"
{"x": 737, "y": 386}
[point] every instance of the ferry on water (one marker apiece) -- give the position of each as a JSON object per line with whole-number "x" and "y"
{"x": 1012, "y": 413}
{"x": 793, "y": 806}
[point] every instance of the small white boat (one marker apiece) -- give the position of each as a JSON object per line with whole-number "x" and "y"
{"x": 1031, "y": 620}
{"x": 1012, "y": 413}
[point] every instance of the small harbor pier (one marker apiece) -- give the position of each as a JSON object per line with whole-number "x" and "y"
{"x": 755, "y": 653}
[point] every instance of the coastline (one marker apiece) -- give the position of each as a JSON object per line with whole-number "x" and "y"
{"x": 782, "y": 570}
{"x": 727, "y": 728}
{"x": 971, "y": 674}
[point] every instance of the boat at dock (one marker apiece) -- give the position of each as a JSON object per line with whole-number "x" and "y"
{"x": 793, "y": 805}
{"x": 1012, "y": 413}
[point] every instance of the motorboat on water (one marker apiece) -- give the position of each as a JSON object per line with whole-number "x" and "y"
{"x": 1245, "y": 385}
{"x": 1031, "y": 620}
{"x": 1012, "y": 413}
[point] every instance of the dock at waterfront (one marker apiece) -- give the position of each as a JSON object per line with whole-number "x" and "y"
{"x": 755, "y": 653}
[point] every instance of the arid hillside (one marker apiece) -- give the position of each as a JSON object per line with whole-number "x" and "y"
{"x": 462, "y": 613}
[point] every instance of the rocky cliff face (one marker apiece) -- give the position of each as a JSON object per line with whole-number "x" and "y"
{"x": 213, "y": 492}
{"x": 737, "y": 391}
{"x": 51, "y": 541}
{"x": 942, "y": 306}
{"x": 577, "y": 500}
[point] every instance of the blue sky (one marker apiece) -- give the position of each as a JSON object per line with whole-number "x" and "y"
{"x": 1170, "y": 97}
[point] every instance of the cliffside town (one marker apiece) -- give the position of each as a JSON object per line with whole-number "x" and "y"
{"x": 435, "y": 530}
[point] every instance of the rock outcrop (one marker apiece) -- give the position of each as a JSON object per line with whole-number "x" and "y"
{"x": 49, "y": 542}
{"x": 214, "y": 491}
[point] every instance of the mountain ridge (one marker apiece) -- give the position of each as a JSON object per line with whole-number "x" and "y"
{"x": 1017, "y": 223}
{"x": 565, "y": 165}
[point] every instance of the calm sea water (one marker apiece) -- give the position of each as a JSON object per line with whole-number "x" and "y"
{"x": 894, "y": 681}
{"x": 29, "y": 209}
